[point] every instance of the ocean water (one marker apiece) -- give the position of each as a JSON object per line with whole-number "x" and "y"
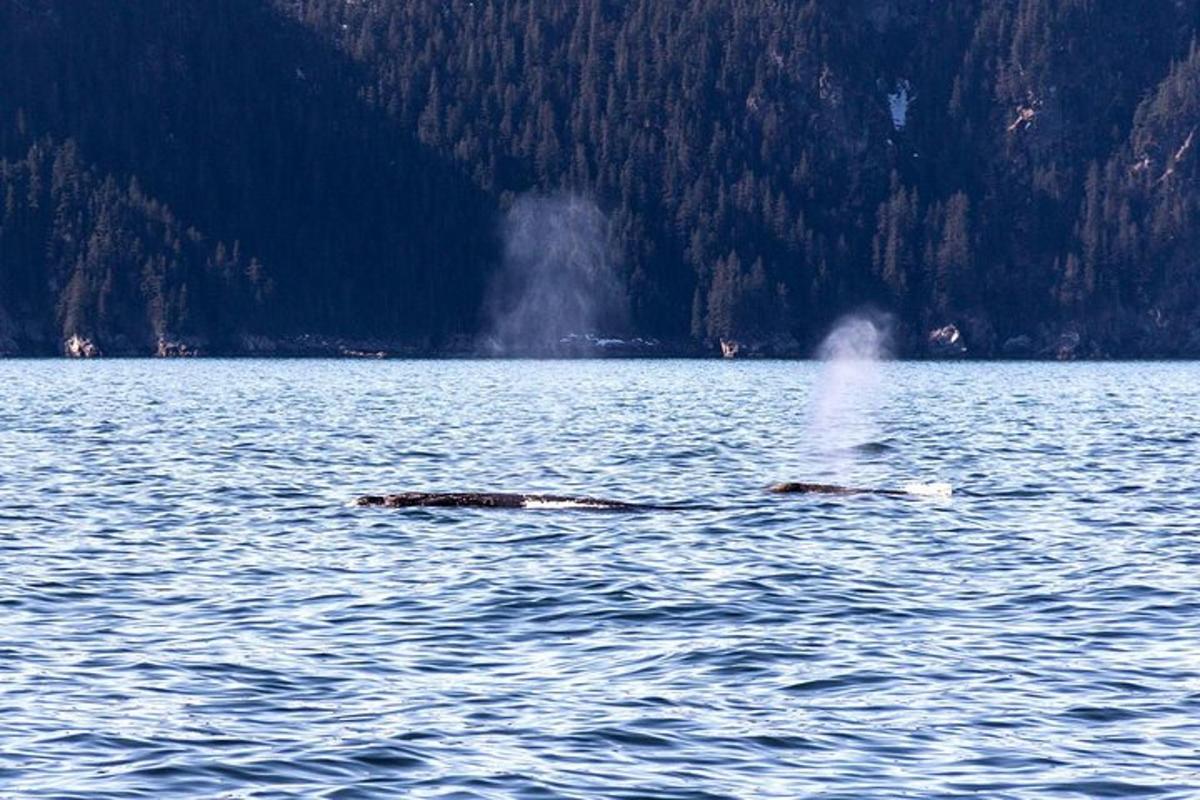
{"x": 191, "y": 605}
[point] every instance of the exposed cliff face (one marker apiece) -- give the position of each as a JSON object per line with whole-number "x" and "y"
{"x": 186, "y": 176}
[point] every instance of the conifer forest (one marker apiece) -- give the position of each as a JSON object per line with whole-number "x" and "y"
{"x": 1000, "y": 177}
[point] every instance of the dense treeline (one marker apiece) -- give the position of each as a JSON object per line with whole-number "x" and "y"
{"x": 1022, "y": 169}
{"x": 102, "y": 261}
{"x": 251, "y": 129}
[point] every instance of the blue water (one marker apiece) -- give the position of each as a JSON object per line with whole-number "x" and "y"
{"x": 191, "y": 606}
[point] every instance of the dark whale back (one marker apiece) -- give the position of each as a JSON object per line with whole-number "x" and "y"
{"x": 828, "y": 488}
{"x": 499, "y": 500}
{"x": 566, "y": 502}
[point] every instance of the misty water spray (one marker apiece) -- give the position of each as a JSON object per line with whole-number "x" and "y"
{"x": 560, "y": 279}
{"x": 848, "y": 389}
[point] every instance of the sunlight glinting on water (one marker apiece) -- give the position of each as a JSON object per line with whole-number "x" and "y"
{"x": 192, "y": 605}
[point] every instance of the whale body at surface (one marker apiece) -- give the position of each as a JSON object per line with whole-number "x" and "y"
{"x": 941, "y": 490}
{"x": 499, "y": 500}
{"x": 829, "y": 488}
{"x": 509, "y": 500}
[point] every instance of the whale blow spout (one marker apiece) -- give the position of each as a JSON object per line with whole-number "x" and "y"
{"x": 502, "y": 500}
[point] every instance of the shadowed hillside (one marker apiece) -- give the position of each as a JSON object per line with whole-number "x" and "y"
{"x": 1020, "y": 170}
{"x": 251, "y": 129}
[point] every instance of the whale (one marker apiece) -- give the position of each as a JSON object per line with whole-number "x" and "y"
{"x": 504, "y": 500}
{"x": 932, "y": 490}
{"x": 509, "y": 500}
{"x": 829, "y": 488}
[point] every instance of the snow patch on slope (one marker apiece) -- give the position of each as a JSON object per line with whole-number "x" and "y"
{"x": 899, "y": 102}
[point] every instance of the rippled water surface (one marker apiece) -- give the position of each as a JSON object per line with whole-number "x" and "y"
{"x": 190, "y": 604}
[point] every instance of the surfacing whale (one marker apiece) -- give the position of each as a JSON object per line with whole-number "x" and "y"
{"x": 829, "y": 488}
{"x": 567, "y": 502}
{"x": 505, "y": 500}
{"x": 911, "y": 490}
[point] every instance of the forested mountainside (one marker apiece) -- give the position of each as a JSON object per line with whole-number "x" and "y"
{"x": 275, "y": 175}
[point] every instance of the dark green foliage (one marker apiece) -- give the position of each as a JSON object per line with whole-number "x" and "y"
{"x": 251, "y": 128}
{"x": 744, "y": 151}
{"x": 82, "y": 255}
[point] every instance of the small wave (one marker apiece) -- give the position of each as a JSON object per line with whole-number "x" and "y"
{"x": 872, "y": 448}
{"x": 929, "y": 489}
{"x": 849, "y": 681}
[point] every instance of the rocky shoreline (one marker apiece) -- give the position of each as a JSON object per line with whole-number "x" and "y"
{"x": 947, "y": 342}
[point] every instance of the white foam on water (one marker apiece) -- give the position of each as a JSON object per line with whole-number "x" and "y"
{"x": 543, "y": 505}
{"x": 929, "y": 489}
